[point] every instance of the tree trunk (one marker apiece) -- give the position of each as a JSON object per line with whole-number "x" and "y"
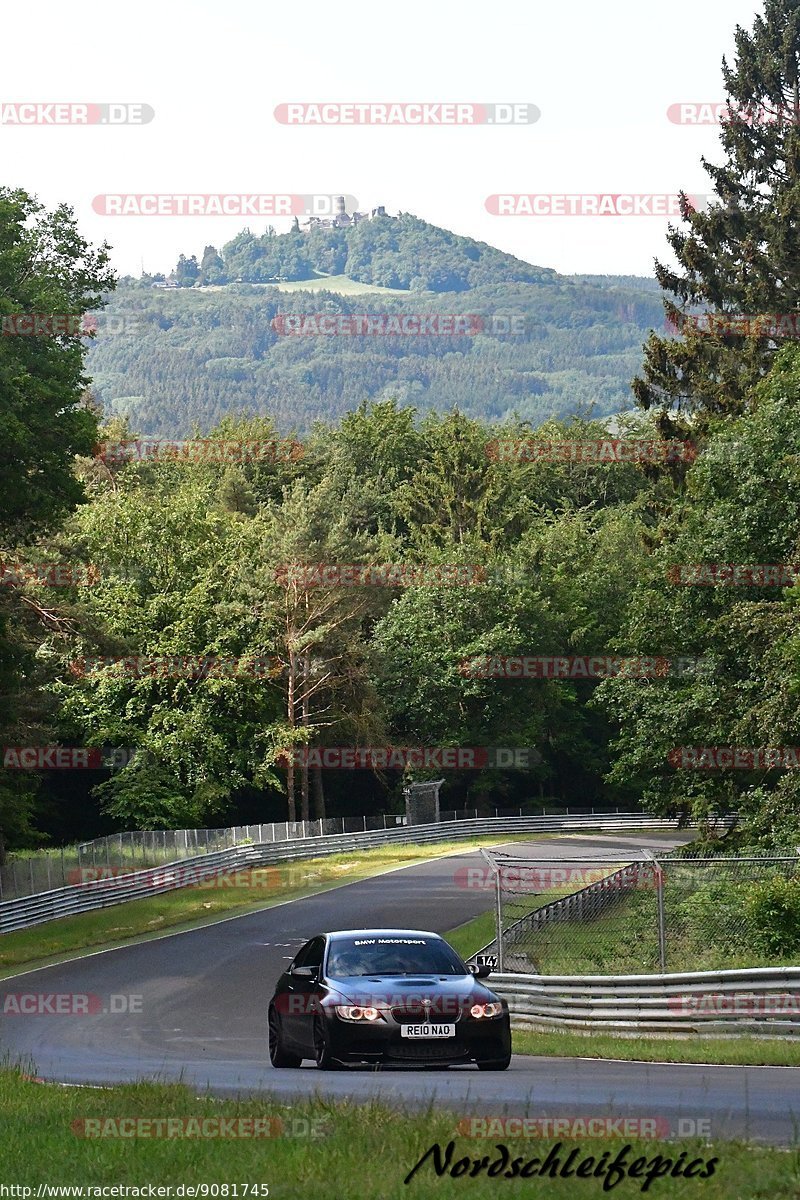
{"x": 319, "y": 795}
{"x": 304, "y": 766}
{"x": 292, "y": 811}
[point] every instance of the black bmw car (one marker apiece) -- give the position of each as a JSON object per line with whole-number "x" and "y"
{"x": 386, "y": 996}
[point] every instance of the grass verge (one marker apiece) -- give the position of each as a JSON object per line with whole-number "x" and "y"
{"x": 359, "y": 1151}
{"x": 731, "y": 1051}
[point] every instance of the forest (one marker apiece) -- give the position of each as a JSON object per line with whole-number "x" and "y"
{"x": 540, "y": 344}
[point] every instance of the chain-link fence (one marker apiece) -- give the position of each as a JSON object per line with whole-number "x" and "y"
{"x": 29, "y": 874}
{"x": 677, "y": 912}
{"x": 120, "y": 852}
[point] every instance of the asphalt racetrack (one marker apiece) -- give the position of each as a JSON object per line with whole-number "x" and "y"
{"x": 203, "y": 998}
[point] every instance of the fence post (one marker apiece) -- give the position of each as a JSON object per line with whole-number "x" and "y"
{"x": 365, "y": 823}
{"x": 498, "y": 918}
{"x": 662, "y": 929}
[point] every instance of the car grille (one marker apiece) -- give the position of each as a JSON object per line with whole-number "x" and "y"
{"x": 436, "y": 1049}
{"x": 417, "y": 1014}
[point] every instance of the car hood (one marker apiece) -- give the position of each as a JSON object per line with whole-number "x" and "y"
{"x": 390, "y": 990}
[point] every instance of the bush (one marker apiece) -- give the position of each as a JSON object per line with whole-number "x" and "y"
{"x": 772, "y": 912}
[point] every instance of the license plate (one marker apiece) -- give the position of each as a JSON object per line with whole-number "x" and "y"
{"x": 428, "y": 1030}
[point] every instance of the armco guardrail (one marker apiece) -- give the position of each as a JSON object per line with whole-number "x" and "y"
{"x": 138, "y": 849}
{"x": 101, "y": 893}
{"x": 758, "y": 1000}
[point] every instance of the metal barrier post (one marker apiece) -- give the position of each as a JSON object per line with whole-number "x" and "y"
{"x": 662, "y": 928}
{"x": 499, "y": 919}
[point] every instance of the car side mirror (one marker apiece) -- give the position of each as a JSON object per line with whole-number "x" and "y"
{"x": 481, "y": 972}
{"x": 305, "y": 972}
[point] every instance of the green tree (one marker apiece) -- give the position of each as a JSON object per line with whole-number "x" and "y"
{"x": 212, "y": 268}
{"x": 742, "y": 506}
{"x": 48, "y": 271}
{"x": 187, "y": 272}
{"x": 740, "y": 255}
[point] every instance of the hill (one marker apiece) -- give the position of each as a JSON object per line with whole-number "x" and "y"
{"x": 537, "y": 344}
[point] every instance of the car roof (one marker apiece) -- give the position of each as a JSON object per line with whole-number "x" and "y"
{"x": 362, "y": 933}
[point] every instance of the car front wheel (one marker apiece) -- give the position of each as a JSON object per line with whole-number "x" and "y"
{"x": 277, "y": 1055}
{"x": 322, "y": 1048}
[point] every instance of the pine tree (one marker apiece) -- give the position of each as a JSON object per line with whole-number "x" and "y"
{"x": 740, "y": 256}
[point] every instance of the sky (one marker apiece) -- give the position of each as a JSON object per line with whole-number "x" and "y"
{"x": 602, "y": 76}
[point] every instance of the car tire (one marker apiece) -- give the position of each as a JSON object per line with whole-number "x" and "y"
{"x": 322, "y": 1048}
{"x": 277, "y": 1055}
{"x": 494, "y": 1064}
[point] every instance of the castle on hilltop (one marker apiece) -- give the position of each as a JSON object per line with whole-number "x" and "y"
{"x": 341, "y": 218}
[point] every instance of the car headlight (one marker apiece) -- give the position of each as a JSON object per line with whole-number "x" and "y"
{"x": 492, "y": 1009}
{"x": 356, "y": 1012}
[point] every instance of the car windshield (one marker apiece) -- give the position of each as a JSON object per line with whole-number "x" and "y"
{"x": 393, "y": 956}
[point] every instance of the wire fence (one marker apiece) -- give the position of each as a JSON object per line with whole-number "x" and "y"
{"x": 30, "y": 874}
{"x": 131, "y": 851}
{"x": 676, "y": 912}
